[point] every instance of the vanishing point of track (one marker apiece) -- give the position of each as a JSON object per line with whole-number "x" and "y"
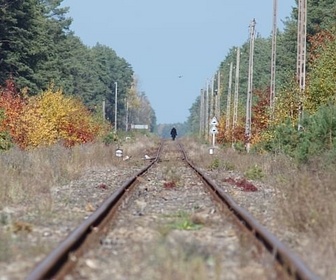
{"x": 64, "y": 259}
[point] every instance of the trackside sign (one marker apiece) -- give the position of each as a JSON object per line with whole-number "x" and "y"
{"x": 139, "y": 126}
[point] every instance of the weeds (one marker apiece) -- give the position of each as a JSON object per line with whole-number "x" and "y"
{"x": 172, "y": 176}
{"x": 215, "y": 164}
{"x": 229, "y": 166}
{"x": 303, "y": 198}
{"x": 181, "y": 221}
{"x": 27, "y": 176}
{"x": 254, "y": 173}
{"x": 186, "y": 224}
{"x": 184, "y": 260}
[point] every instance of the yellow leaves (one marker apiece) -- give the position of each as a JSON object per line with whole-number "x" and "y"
{"x": 52, "y": 117}
{"x": 322, "y": 74}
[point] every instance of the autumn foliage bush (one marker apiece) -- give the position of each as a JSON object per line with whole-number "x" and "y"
{"x": 46, "y": 119}
{"x": 260, "y": 122}
{"x": 11, "y": 105}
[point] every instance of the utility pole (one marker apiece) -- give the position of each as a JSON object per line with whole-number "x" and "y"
{"x": 115, "y": 106}
{"x": 273, "y": 59}
{"x": 104, "y": 111}
{"x": 207, "y": 111}
{"x": 218, "y": 97}
{"x": 228, "y": 104}
{"x": 301, "y": 54}
{"x": 126, "y": 117}
{"x": 248, "y": 131}
{"x": 212, "y": 98}
{"x": 202, "y": 111}
{"x": 236, "y": 93}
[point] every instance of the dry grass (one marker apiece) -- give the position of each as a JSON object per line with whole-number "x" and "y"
{"x": 185, "y": 261}
{"x": 305, "y": 196}
{"x": 26, "y": 176}
{"x": 305, "y": 200}
{"x": 26, "y": 179}
{"x": 307, "y": 207}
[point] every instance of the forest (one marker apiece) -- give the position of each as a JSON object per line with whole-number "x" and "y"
{"x": 277, "y": 130}
{"x": 48, "y": 78}
{"x": 40, "y": 55}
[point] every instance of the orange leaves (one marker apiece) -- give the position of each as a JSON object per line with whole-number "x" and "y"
{"x": 53, "y": 117}
{"x": 318, "y": 43}
{"x": 79, "y": 127}
{"x": 47, "y": 119}
{"x": 12, "y": 105}
{"x": 260, "y": 120}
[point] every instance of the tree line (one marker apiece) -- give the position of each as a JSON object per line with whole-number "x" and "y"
{"x": 280, "y": 133}
{"x": 38, "y": 49}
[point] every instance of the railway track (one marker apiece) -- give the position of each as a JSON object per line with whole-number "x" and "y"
{"x": 170, "y": 221}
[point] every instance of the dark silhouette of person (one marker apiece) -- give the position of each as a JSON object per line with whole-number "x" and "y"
{"x": 173, "y": 133}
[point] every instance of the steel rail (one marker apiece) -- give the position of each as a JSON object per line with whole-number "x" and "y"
{"x": 56, "y": 263}
{"x": 295, "y": 267}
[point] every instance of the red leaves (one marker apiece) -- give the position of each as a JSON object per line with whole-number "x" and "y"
{"x": 46, "y": 119}
{"x": 243, "y": 184}
{"x": 12, "y": 104}
{"x": 230, "y": 180}
{"x": 318, "y": 43}
{"x": 102, "y": 186}
{"x": 260, "y": 121}
{"x": 260, "y": 110}
{"x": 169, "y": 185}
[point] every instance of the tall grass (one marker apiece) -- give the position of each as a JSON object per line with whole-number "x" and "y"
{"x": 305, "y": 196}
{"x": 306, "y": 192}
{"x": 28, "y": 175}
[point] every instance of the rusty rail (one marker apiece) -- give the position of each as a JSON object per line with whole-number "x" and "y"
{"x": 56, "y": 264}
{"x": 295, "y": 267}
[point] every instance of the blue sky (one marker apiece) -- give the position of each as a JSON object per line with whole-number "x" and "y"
{"x": 163, "y": 40}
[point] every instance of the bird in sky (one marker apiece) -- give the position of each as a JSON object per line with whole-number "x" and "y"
{"x": 180, "y": 76}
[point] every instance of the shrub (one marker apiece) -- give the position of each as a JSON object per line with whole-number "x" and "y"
{"x": 317, "y": 136}
{"x": 215, "y": 164}
{"x": 52, "y": 117}
{"x": 5, "y": 140}
{"x": 11, "y": 106}
{"x": 254, "y": 173}
{"x": 110, "y": 138}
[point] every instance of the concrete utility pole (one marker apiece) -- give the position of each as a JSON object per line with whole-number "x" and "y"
{"x": 248, "y": 132}
{"x": 218, "y": 97}
{"x": 301, "y": 53}
{"x": 202, "y": 117}
{"x": 104, "y": 111}
{"x": 236, "y": 93}
{"x": 115, "y": 106}
{"x": 207, "y": 132}
{"x": 126, "y": 117}
{"x": 228, "y": 103}
{"x": 273, "y": 59}
{"x": 212, "y": 98}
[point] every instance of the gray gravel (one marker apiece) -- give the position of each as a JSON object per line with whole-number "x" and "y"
{"x": 149, "y": 223}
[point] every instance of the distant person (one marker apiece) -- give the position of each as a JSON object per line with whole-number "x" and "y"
{"x": 173, "y": 133}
